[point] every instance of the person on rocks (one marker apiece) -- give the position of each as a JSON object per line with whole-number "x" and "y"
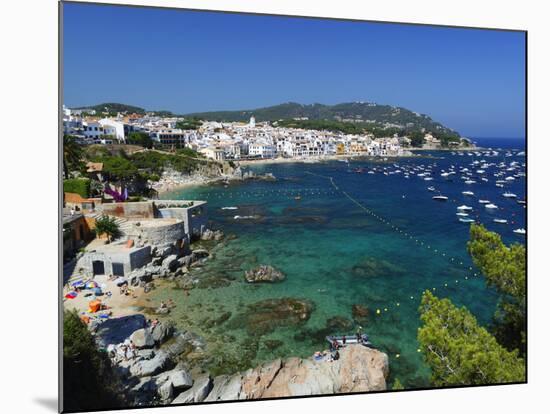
{"x": 336, "y": 356}
{"x": 334, "y": 344}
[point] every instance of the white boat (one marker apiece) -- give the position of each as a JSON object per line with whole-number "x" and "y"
{"x": 464, "y": 208}
{"x": 466, "y": 220}
{"x": 491, "y": 206}
{"x": 501, "y": 221}
{"x": 461, "y": 214}
{"x": 428, "y": 178}
{"x": 500, "y": 185}
{"x": 469, "y": 182}
{"x": 468, "y": 193}
{"x": 519, "y": 231}
{"x": 431, "y": 188}
{"x": 521, "y": 201}
{"x": 509, "y": 195}
{"x": 230, "y": 208}
{"x": 440, "y": 198}
{"x": 484, "y": 201}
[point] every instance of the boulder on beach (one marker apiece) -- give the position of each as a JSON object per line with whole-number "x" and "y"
{"x": 200, "y": 390}
{"x": 162, "y": 332}
{"x": 160, "y": 362}
{"x": 115, "y": 330}
{"x": 142, "y": 338}
{"x": 264, "y": 273}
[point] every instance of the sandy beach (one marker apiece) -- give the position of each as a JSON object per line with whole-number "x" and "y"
{"x": 117, "y": 304}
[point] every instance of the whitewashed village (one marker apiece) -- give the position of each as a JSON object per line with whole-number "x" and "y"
{"x": 234, "y": 140}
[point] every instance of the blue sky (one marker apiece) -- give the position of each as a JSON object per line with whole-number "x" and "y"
{"x": 183, "y": 61}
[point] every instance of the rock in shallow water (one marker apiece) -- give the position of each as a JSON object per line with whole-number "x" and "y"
{"x": 264, "y": 273}
{"x": 265, "y": 316}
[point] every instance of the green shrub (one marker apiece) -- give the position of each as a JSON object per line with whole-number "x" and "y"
{"x": 77, "y": 185}
{"x": 88, "y": 379}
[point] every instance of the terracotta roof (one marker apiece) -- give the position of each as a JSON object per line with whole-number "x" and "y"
{"x": 73, "y": 198}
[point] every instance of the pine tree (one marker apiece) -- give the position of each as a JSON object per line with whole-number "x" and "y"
{"x": 459, "y": 351}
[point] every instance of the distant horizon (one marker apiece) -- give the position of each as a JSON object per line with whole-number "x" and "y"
{"x": 470, "y": 80}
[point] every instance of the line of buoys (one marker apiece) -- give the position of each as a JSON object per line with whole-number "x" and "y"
{"x": 380, "y": 311}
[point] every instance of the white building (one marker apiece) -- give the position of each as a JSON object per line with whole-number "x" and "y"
{"x": 261, "y": 149}
{"x": 114, "y": 128}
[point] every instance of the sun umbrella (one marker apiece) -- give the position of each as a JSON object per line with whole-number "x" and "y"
{"x": 91, "y": 285}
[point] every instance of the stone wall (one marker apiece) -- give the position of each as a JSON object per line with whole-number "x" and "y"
{"x": 158, "y": 232}
{"x": 195, "y": 218}
{"x": 134, "y": 210}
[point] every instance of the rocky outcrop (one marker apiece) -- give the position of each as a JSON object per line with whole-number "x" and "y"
{"x": 208, "y": 234}
{"x": 160, "y": 362}
{"x": 142, "y": 338}
{"x": 116, "y": 330}
{"x": 264, "y": 273}
{"x": 200, "y": 390}
{"x": 359, "y": 369}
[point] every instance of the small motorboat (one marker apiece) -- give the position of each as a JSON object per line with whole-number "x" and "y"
{"x": 461, "y": 214}
{"x": 491, "y": 206}
{"x": 466, "y": 220}
{"x": 521, "y": 201}
{"x": 509, "y": 195}
{"x": 484, "y": 202}
{"x": 464, "y": 208}
{"x": 440, "y": 198}
{"x": 519, "y": 231}
{"x": 500, "y": 221}
{"x": 344, "y": 340}
{"x": 431, "y": 188}
{"x": 468, "y": 193}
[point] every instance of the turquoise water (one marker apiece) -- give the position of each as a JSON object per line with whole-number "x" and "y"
{"x": 381, "y": 253}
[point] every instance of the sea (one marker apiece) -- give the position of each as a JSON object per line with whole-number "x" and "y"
{"x": 364, "y": 232}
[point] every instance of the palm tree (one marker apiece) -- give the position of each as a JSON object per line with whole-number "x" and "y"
{"x": 72, "y": 154}
{"x": 107, "y": 225}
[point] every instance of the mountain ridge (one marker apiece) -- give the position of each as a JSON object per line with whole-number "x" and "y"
{"x": 361, "y": 112}
{"x": 359, "y": 115}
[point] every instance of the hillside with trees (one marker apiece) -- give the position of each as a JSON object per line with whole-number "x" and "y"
{"x": 365, "y": 114}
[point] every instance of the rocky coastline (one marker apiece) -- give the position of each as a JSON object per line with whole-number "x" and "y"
{"x": 152, "y": 364}
{"x": 158, "y": 364}
{"x": 223, "y": 173}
